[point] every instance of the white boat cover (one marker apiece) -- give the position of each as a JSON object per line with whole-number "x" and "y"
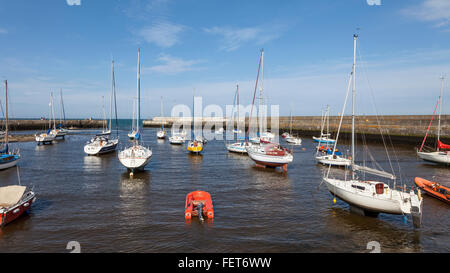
{"x": 11, "y": 195}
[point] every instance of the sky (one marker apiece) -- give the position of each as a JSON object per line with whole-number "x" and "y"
{"x": 210, "y": 46}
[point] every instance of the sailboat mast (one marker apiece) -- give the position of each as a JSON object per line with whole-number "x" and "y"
{"x": 138, "y": 91}
{"x": 111, "y": 99}
{"x": 6, "y": 108}
{"x": 237, "y": 91}
{"x": 440, "y": 108}
{"x": 53, "y": 114}
{"x": 261, "y": 92}
{"x": 62, "y": 108}
{"x": 355, "y": 37}
{"x": 162, "y": 124}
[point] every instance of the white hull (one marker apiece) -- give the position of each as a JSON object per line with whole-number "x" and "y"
{"x": 45, "y": 138}
{"x": 161, "y": 134}
{"x": 238, "y": 147}
{"x": 258, "y": 155}
{"x": 294, "y": 140}
{"x": 362, "y": 194}
{"x": 135, "y": 158}
{"x": 437, "y": 157}
{"x": 9, "y": 164}
{"x": 176, "y": 140}
{"x": 324, "y": 140}
{"x": 337, "y": 161}
{"x": 101, "y": 147}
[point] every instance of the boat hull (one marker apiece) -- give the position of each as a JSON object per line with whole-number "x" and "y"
{"x": 6, "y": 163}
{"x": 323, "y": 140}
{"x": 12, "y": 213}
{"x": 391, "y": 201}
{"x": 135, "y": 158}
{"x": 238, "y": 147}
{"x": 427, "y": 186}
{"x": 329, "y": 160}
{"x": 435, "y": 157}
{"x": 294, "y": 140}
{"x": 97, "y": 149}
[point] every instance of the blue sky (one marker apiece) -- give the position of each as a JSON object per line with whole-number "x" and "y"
{"x": 212, "y": 45}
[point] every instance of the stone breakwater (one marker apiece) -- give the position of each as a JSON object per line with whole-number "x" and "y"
{"x": 23, "y": 125}
{"x": 408, "y": 129}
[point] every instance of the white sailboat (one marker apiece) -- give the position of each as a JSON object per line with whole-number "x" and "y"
{"x": 60, "y": 131}
{"x": 290, "y": 138}
{"x": 102, "y": 144}
{"x": 50, "y": 135}
{"x": 161, "y": 134}
{"x": 239, "y": 146}
{"x": 325, "y": 137}
{"x": 261, "y": 136}
{"x": 137, "y": 156}
{"x": 8, "y": 158}
{"x": 367, "y": 196}
{"x": 439, "y": 155}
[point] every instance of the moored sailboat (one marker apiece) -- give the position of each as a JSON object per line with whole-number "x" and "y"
{"x": 370, "y": 197}
{"x": 50, "y": 135}
{"x": 161, "y": 134}
{"x": 441, "y": 153}
{"x": 137, "y": 156}
{"x": 197, "y": 143}
{"x": 8, "y": 158}
{"x": 103, "y": 143}
{"x": 239, "y": 146}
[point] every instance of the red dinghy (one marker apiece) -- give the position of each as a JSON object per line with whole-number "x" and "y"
{"x": 199, "y": 204}
{"x": 14, "y": 201}
{"x": 434, "y": 189}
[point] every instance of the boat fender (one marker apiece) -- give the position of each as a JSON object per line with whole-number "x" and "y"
{"x": 187, "y": 215}
{"x": 419, "y": 194}
{"x": 334, "y": 200}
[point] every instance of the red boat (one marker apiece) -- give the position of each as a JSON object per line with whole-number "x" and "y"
{"x": 199, "y": 204}
{"x": 14, "y": 201}
{"x": 434, "y": 189}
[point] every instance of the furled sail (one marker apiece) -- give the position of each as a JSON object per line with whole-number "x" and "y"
{"x": 443, "y": 146}
{"x": 373, "y": 171}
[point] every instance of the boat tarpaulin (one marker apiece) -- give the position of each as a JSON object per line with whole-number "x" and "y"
{"x": 11, "y": 195}
{"x": 443, "y": 146}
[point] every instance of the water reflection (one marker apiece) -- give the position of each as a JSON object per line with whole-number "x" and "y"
{"x": 359, "y": 230}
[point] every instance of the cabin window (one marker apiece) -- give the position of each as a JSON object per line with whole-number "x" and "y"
{"x": 358, "y": 187}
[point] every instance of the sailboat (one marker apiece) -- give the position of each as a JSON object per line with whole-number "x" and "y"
{"x": 161, "y": 134}
{"x": 197, "y": 143}
{"x": 50, "y": 135}
{"x": 101, "y": 144}
{"x": 137, "y": 156}
{"x": 239, "y": 146}
{"x": 60, "y": 131}
{"x": 261, "y": 136}
{"x": 371, "y": 197}
{"x": 8, "y": 158}
{"x": 440, "y": 154}
{"x": 291, "y": 139}
{"x": 325, "y": 137}
{"x": 267, "y": 154}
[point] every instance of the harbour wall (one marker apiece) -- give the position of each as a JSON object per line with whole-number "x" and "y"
{"x": 19, "y": 125}
{"x": 407, "y": 129}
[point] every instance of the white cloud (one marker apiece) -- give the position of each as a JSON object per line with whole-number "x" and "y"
{"x": 162, "y": 34}
{"x": 73, "y": 2}
{"x": 437, "y": 11}
{"x": 172, "y": 65}
{"x": 3, "y": 31}
{"x": 233, "y": 38}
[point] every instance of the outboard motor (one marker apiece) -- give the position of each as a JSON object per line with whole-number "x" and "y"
{"x": 199, "y": 209}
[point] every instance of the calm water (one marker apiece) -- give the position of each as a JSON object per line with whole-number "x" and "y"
{"x": 93, "y": 201}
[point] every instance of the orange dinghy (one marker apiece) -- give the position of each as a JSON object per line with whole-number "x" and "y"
{"x": 198, "y": 203}
{"x": 434, "y": 189}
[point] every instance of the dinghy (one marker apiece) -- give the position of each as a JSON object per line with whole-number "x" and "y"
{"x": 198, "y": 204}
{"x": 434, "y": 189}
